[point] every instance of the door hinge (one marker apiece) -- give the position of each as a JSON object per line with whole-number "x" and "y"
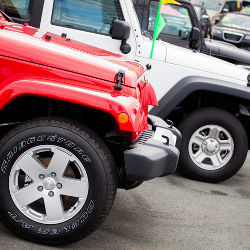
{"x": 119, "y": 80}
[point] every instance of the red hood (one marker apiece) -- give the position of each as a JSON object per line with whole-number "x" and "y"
{"x": 30, "y": 44}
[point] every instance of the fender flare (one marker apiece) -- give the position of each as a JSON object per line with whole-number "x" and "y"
{"x": 191, "y": 84}
{"x": 108, "y": 102}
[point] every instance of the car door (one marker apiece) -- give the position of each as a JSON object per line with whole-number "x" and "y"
{"x": 86, "y": 21}
{"x": 178, "y": 21}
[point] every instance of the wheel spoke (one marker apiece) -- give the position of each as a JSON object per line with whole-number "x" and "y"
{"x": 30, "y": 166}
{"x": 198, "y": 139}
{"x": 214, "y": 132}
{"x": 225, "y": 146}
{"x": 200, "y": 157}
{"x": 27, "y": 195}
{"x": 54, "y": 208}
{"x": 59, "y": 162}
{"x": 75, "y": 188}
{"x": 216, "y": 160}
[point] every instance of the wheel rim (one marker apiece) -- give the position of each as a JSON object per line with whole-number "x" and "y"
{"x": 211, "y": 147}
{"x": 48, "y": 184}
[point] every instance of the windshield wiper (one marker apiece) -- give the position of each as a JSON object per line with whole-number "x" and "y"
{"x": 6, "y": 16}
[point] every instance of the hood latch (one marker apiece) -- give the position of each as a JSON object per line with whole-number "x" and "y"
{"x": 119, "y": 80}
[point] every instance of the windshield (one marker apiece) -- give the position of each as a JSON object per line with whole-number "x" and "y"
{"x": 17, "y": 8}
{"x": 210, "y": 4}
{"x": 236, "y": 21}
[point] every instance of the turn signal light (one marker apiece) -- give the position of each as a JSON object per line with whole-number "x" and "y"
{"x": 123, "y": 118}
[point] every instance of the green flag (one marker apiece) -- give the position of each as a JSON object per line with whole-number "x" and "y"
{"x": 156, "y": 29}
{"x": 160, "y": 23}
{"x": 160, "y": 27}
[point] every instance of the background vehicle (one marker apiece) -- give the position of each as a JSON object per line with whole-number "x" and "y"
{"x": 217, "y": 8}
{"x": 245, "y": 11}
{"x": 204, "y": 19}
{"x": 234, "y": 28}
{"x": 74, "y": 127}
{"x": 205, "y": 96}
{"x": 146, "y": 10}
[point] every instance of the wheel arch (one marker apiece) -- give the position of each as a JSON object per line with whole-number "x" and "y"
{"x": 23, "y": 108}
{"x": 193, "y": 93}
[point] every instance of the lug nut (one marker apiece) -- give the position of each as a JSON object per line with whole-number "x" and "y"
{"x": 217, "y": 146}
{"x": 41, "y": 176}
{"x": 205, "y": 143}
{"x": 40, "y": 188}
{"x": 59, "y": 185}
{"x": 212, "y": 140}
{"x": 213, "y": 152}
{"x": 53, "y": 174}
{"x": 51, "y": 194}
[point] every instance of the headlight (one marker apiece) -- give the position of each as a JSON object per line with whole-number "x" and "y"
{"x": 247, "y": 37}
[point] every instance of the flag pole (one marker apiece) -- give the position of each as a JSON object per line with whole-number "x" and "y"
{"x": 156, "y": 26}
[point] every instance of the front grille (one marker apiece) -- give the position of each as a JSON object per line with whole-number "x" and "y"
{"x": 233, "y": 37}
{"x": 145, "y": 136}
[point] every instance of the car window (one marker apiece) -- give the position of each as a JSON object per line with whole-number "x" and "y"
{"x": 177, "y": 19}
{"x": 89, "y": 15}
{"x": 230, "y": 6}
{"x": 17, "y": 8}
{"x": 210, "y": 4}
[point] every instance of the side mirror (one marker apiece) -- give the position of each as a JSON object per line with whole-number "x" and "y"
{"x": 195, "y": 34}
{"x": 194, "y": 38}
{"x": 120, "y": 30}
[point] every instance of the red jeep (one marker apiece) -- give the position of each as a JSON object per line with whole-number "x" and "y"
{"x": 74, "y": 127}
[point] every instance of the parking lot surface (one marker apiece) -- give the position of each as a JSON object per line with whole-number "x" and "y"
{"x": 170, "y": 213}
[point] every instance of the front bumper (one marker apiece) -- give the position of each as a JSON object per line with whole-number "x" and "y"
{"x": 155, "y": 153}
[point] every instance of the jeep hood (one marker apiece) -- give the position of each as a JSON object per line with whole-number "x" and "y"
{"x": 31, "y": 45}
{"x": 191, "y": 59}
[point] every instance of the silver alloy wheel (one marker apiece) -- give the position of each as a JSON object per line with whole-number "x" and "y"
{"x": 48, "y": 184}
{"x": 211, "y": 147}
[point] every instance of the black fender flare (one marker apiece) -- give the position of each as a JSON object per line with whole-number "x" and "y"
{"x": 191, "y": 84}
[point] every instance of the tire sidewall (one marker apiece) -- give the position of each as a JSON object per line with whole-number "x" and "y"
{"x": 84, "y": 151}
{"x": 205, "y": 117}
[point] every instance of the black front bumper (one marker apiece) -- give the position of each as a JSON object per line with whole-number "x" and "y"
{"x": 155, "y": 153}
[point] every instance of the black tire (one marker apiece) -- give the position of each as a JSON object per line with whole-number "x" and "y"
{"x": 214, "y": 116}
{"x": 97, "y": 161}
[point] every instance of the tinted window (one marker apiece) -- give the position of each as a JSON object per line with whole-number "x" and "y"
{"x": 177, "y": 19}
{"x": 17, "y": 8}
{"x": 90, "y": 15}
{"x": 230, "y": 6}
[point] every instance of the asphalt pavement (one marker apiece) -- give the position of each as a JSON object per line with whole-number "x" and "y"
{"x": 170, "y": 213}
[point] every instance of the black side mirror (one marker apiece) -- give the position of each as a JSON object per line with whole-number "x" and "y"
{"x": 195, "y": 34}
{"x": 195, "y": 38}
{"x": 120, "y": 30}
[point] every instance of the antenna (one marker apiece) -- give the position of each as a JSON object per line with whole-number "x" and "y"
{"x": 2, "y": 5}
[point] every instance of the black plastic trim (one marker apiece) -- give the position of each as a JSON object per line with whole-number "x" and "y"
{"x": 152, "y": 158}
{"x": 191, "y": 84}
